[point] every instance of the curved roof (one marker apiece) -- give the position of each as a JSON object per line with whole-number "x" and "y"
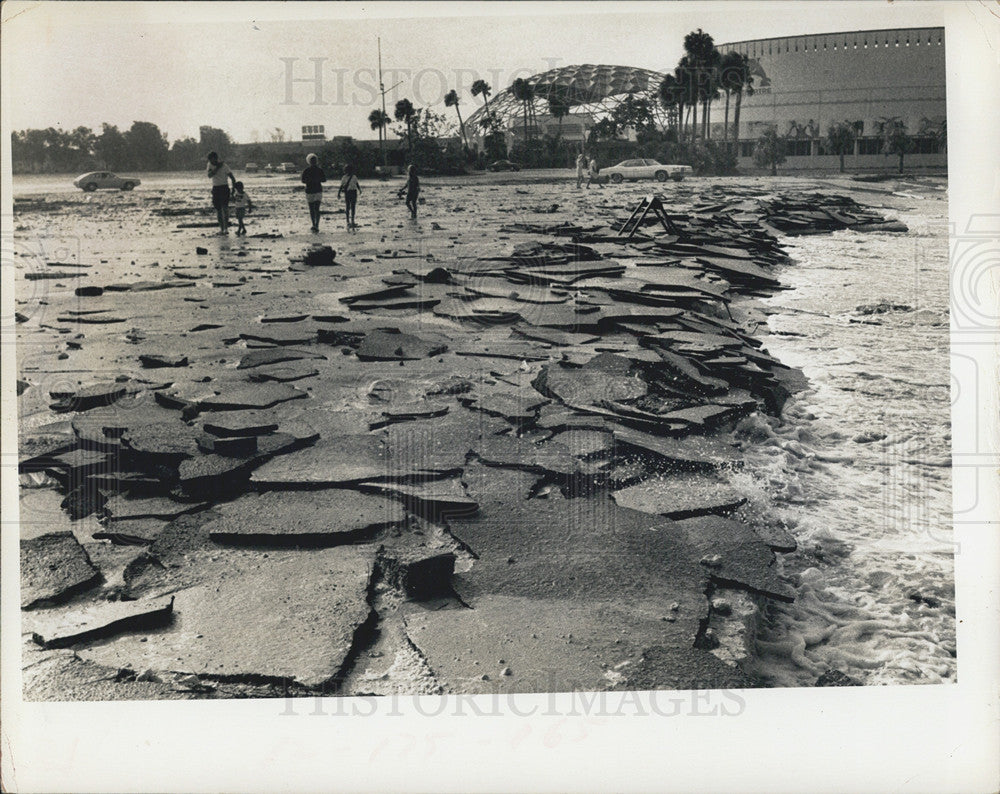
{"x": 587, "y": 83}
{"x": 587, "y": 87}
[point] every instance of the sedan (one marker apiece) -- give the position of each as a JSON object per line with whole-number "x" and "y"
{"x": 503, "y": 165}
{"x": 645, "y": 169}
{"x": 105, "y": 180}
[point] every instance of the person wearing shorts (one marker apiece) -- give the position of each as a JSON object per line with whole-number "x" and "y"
{"x": 313, "y": 178}
{"x": 350, "y": 187}
{"x": 221, "y": 175}
{"x": 412, "y": 190}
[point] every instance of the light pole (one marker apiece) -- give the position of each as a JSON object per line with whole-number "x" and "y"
{"x": 382, "y": 90}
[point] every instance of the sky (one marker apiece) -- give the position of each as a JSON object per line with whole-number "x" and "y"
{"x": 250, "y": 68}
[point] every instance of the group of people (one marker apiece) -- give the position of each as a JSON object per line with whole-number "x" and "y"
{"x": 588, "y": 169}
{"x": 313, "y": 177}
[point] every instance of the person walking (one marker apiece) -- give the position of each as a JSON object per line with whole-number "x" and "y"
{"x": 241, "y": 203}
{"x": 592, "y": 176}
{"x": 350, "y": 187}
{"x": 313, "y": 178}
{"x": 412, "y": 190}
{"x": 581, "y": 166}
{"x": 221, "y": 175}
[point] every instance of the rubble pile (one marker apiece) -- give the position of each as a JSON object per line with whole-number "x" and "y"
{"x": 521, "y": 456}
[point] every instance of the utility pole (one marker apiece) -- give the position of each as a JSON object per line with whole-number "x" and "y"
{"x": 381, "y": 88}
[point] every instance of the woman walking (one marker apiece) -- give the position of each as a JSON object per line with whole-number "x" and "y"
{"x": 219, "y": 173}
{"x": 350, "y": 187}
{"x": 313, "y": 177}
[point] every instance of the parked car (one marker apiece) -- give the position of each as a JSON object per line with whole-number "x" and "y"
{"x": 503, "y": 165}
{"x": 645, "y": 169}
{"x": 105, "y": 180}
{"x": 251, "y": 168}
{"x": 288, "y": 168}
{"x": 269, "y": 168}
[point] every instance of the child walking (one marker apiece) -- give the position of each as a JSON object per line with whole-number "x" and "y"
{"x": 350, "y": 187}
{"x": 412, "y": 190}
{"x": 240, "y": 202}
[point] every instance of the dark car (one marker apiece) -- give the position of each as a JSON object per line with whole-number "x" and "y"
{"x": 503, "y": 165}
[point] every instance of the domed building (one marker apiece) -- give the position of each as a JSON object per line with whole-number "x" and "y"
{"x": 580, "y": 95}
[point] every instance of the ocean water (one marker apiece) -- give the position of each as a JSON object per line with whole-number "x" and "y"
{"x": 859, "y": 468}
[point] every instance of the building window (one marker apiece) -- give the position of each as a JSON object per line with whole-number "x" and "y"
{"x": 798, "y": 148}
{"x": 926, "y": 146}
{"x": 869, "y": 146}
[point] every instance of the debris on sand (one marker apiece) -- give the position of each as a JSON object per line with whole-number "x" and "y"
{"x": 537, "y": 427}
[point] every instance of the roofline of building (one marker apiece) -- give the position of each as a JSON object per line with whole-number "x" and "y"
{"x": 828, "y": 33}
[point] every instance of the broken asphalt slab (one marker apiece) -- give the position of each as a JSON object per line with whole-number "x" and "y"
{"x": 54, "y": 567}
{"x": 62, "y": 628}
{"x": 281, "y": 616}
{"x": 304, "y": 518}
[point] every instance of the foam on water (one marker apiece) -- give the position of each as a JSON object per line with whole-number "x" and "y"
{"x": 858, "y": 469}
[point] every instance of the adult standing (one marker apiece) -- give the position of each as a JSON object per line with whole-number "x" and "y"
{"x": 593, "y": 175}
{"x": 221, "y": 175}
{"x": 581, "y": 166}
{"x": 313, "y": 177}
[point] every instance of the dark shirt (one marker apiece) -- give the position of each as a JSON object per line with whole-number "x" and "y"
{"x": 413, "y": 184}
{"x": 313, "y": 176}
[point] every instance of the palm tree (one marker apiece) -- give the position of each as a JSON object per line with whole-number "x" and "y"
{"x": 405, "y": 112}
{"x": 482, "y": 87}
{"x": 896, "y": 140}
{"x": 840, "y": 139}
{"x": 685, "y": 74}
{"x": 698, "y": 48}
{"x": 728, "y": 68}
{"x": 451, "y": 101}
{"x": 523, "y": 92}
{"x": 672, "y": 99}
{"x": 710, "y": 87}
{"x": 769, "y": 151}
{"x": 740, "y": 82}
{"x": 379, "y": 120}
{"x": 559, "y": 108}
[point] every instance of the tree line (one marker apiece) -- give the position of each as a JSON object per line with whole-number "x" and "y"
{"x": 142, "y": 147}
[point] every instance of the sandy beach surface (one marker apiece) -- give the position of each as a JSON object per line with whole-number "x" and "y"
{"x": 265, "y": 488}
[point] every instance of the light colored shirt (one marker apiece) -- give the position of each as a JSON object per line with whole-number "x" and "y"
{"x": 350, "y": 182}
{"x": 219, "y": 174}
{"x": 239, "y": 201}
